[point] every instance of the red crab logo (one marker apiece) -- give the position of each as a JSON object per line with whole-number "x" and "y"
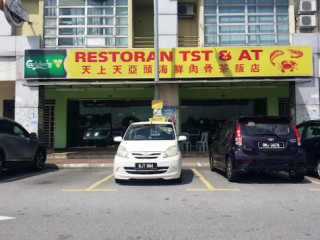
{"x": 285, "y": 65}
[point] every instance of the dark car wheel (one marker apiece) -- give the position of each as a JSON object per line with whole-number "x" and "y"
{"x": 296, "y": 177}
{"x": 39, "y": 160}
{"x": 318, "y": 168}
{"x": 1, "y": 164}
{"x": 212, "y": 168}
{"x": 231, "y": 175}
{"x": 119, "y": 181}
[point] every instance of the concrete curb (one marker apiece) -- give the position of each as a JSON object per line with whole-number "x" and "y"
{"x": 110, "y": 165}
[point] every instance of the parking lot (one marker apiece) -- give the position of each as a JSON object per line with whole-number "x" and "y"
{"x": 88, "y": 204}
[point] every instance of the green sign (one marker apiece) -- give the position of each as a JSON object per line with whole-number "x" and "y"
{"x": 44, "y": 64}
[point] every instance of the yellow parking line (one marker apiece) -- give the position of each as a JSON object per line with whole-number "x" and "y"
{"x": 93, "y": 188}
{"x": 208, "y": 185}
{"x": 99, "y": 182}
{"x": 87, "y": 190}
{"x": 315, "y": 182}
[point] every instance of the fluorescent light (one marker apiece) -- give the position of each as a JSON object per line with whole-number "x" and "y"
{"x": 71, "y": 89}
{"x": 233, "y": 87}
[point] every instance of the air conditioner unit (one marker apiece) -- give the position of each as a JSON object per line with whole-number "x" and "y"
{"x": 185, "y": 10}
{"x": 307, "y": 7}
{"x": 307, "y": 21}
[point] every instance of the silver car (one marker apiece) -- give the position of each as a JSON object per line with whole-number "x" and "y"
{"x": 18, "y": 147}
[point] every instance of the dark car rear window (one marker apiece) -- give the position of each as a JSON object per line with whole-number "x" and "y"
{"x": 279, "y": 127}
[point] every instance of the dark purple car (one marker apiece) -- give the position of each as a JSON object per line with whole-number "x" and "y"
{"x": 258, "y": 144}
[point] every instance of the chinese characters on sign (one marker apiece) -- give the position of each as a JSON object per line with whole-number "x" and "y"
{"x": 188, "y": 62}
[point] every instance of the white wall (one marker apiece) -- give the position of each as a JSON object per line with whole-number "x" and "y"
{"x": 307, "y": 93}
{"x": 12, "y": 69}
{"x": 6, "y": 29}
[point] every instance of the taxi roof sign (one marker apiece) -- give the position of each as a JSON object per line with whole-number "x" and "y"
{"x": 157, "y": 119}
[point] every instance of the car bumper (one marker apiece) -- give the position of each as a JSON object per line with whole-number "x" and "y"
{"x": 167, "y": 168}
{"x": 263, "y": 162}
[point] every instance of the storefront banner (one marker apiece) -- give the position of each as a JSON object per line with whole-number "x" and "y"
{"x": 170, "y": 114}
{"x": 173, "y": 63}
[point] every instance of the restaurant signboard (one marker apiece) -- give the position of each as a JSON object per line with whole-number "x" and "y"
{"x": 175, "y": 63}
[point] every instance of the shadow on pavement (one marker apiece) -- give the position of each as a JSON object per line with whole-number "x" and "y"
{"x": 187, "y": 177}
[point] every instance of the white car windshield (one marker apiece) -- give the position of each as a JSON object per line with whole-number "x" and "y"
{"x": 150, "y": 132}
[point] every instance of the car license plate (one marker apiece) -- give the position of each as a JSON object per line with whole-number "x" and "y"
{"x": 271, "y": 145}
{"x": 146, "y": 166}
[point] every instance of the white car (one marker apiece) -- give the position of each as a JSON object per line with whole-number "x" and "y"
{"x": 148, "y": 150}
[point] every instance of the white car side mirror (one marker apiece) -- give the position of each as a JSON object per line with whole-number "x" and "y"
{"x": 182, "y": 138}
{"x": 117, "y": 139}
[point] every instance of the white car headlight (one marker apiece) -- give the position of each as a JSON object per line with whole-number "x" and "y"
{"x": 171, "y": 151}
{"x": 122, "y": 152}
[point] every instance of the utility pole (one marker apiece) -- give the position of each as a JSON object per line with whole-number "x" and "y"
{"x": 156, "y": 112}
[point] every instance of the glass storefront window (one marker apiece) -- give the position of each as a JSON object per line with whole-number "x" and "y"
{"x": 95, "y": 122}
{"x": 198, "y": 116}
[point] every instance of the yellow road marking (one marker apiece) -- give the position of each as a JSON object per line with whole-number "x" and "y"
{"x": 99, "y": 182}
{"x": 93, "y": 188}
{"x": 315, "y": 182}
{"x": 87, "y": 190}
{"x": 208, "y": 185}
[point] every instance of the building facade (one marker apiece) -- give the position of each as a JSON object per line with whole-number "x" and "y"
{"x": 78, "y": 109}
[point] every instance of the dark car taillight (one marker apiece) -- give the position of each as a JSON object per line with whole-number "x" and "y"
{"x": 238, "y": 138}
{"x": 297, "y": 135}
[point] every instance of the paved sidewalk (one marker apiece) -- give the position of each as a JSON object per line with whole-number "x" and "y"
{"x": 104, "y": 159}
